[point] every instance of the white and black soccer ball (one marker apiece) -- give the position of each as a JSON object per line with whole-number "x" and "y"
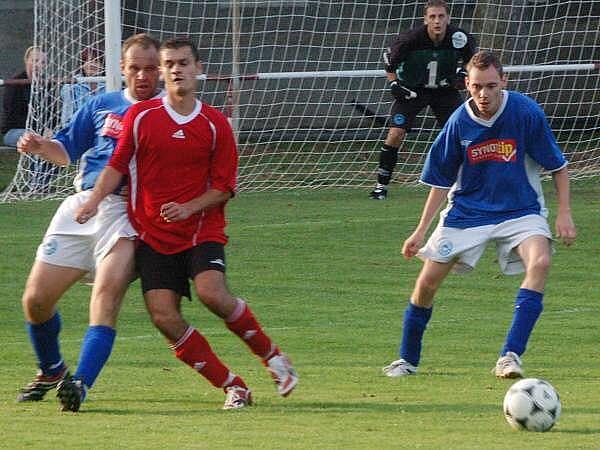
{"x": 532, "y": 404}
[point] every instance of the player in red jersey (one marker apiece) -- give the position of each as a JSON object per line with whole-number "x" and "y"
{"x": 181, "y": 158}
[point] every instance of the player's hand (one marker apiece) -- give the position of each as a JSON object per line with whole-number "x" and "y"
{"x": 401, "y": 92}
{"x": 412, "y": 244}
{"x": 175, "y": 212}
{"x": 565, "y": 228}
{"x": 86, "y": 211}
{"x": 459, "y": 79}
{"x": 30, "y": 142}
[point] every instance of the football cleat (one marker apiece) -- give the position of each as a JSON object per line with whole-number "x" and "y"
{"x": 36, "y": 390}
{"x": 284, "y": 375}
{"x": 508, "y": 366}
{"x": 237, "y": 397}
{"x": 399, "y": 368}
{"x": 378, "y": 194}
{"x": 70, "y": 393}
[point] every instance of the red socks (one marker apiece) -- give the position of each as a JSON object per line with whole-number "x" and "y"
{"x": 194, "y": 350}
{"x": 243, "y": 323}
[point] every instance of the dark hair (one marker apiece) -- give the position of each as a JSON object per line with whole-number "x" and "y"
{"x": 181, "y": 42}
{"x": 144, "y": 40}
{"x": 484, "y": 59}
{"x": 436, "y": 4}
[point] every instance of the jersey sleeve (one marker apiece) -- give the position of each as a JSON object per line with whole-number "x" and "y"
{"x": 80, "y": 134}
{"x": 470, "y": 49}
{"x": 443, "y": 160}
{"x": 395, "y": 53}
{"x": 542, "y": 145}
{"x": 224, "y": 162}
{"x": 125, "y": 144}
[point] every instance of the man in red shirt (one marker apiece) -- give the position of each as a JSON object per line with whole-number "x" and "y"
{"x": 181, "y": 158}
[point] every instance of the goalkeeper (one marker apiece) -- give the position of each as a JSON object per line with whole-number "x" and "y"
{"x": 424, "y": 66}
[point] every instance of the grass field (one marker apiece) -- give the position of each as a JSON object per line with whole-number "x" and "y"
{"x": 324, "y": 274}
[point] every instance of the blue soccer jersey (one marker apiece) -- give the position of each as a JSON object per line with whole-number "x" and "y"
{"x": 492, "y": 167}
{"x": 92, "y": 134}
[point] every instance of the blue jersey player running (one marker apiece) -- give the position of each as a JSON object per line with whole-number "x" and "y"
{"x": 487, "y": 161}
{"x": 101, "y": 249}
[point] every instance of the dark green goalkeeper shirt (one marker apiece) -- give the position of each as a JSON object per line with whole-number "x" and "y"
{"x": 419, "y": 63}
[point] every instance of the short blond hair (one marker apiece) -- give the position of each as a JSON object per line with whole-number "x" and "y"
{"x": 144, "y": 40}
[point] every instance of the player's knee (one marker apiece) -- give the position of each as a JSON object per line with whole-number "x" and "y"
{"x": 217, "y": 300}
{"x": 37, "y": 305}
{"x": 426, "y": 288}
{"x": 167, "y": 322}
{"x": 395, "y": 137}
{"x": 540, "y": 264}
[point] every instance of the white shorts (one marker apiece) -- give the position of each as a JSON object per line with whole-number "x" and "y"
{"x": 467, "y": 245}
{"x": 68, "y": 243}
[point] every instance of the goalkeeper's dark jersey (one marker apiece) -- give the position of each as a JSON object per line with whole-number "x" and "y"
{"x": 419, "y": 63}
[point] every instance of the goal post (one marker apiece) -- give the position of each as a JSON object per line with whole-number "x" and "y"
{"x": 302, "y": 80}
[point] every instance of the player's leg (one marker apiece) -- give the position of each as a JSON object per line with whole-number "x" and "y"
{"x": 164, "y": 282}
{"x": 403, "y": 113}
{"x": 113, "y": 275}
{"x": 416, "y": 317}
{"x": 207, "y": 266}
{"x": 45, "y": 286}
{"x": 535, "y": 253}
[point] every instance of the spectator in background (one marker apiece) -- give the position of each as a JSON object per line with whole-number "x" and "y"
{"x": 16, "y": 97}
{"x": 74, "y": 95}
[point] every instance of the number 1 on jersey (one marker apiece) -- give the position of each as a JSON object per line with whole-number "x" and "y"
{"x": 432, "y": 68}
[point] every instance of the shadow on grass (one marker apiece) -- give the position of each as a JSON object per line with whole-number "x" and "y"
{"x": 170, "y": 408}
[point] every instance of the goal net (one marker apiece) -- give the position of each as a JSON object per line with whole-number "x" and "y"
{"x": 302, "y": 80}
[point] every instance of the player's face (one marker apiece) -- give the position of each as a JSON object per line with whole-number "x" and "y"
{"x": 436, "y": 19}
{"x": 485, "y": 87}
{"x": 179, "y": 70}
{"x": 140, "y": 68}
{"x": 35, "y": 62}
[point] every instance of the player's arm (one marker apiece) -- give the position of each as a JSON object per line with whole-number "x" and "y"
{"x": 108, "y": 181}
{"x": 415, "y": 241}
{"x": 174, "y": 212}
{"x": 112, "y": 175}
{"x": 565, "y": 227}
{"x": 222, "y": 173}
{"x": 391, "y": 58}
{"x": 50, "y": 150}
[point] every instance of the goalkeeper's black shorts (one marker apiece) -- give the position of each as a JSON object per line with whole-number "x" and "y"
{"x": 443, "y": 102}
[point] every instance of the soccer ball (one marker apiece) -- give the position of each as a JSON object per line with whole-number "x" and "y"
{"x": 532, "y": 404}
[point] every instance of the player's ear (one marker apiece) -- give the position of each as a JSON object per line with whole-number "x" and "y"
{"x": 504, "y": 80}
{"x": 199, "y": 67}
{"x": 161, "y": 73}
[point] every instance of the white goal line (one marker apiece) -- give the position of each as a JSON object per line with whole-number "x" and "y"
{"x": 340, "y": 73}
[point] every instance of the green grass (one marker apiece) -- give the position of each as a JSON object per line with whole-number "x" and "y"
{"x": 323, "y": 272}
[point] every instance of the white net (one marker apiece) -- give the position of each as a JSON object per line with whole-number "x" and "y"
{"x": 299, "y": 130}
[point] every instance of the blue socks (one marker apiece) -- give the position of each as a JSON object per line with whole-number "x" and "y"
{"x": 44, "y": 339}
{"x": 95, "y": 350}
{"x": 415, "y": 322}
{"x": 528, "y": 307}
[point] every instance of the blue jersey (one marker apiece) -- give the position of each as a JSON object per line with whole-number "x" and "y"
{"x": 92, "y": 134}
{"x": 492, "y": 167}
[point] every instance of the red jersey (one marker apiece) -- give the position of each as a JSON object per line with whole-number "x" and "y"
{"x": 175, "y": 158}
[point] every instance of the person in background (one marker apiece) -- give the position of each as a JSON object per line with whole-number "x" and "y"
{"x": 424, "y": 67}
{"x": 74, "y": 95}
{"x": 16, "y": 97}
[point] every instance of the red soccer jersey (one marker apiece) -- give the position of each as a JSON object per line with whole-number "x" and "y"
{"x": 175, "y": 158}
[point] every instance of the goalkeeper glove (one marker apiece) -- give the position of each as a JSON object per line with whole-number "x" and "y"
{"x": 459, "y": 79}
{"x": 401, "y": 92}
